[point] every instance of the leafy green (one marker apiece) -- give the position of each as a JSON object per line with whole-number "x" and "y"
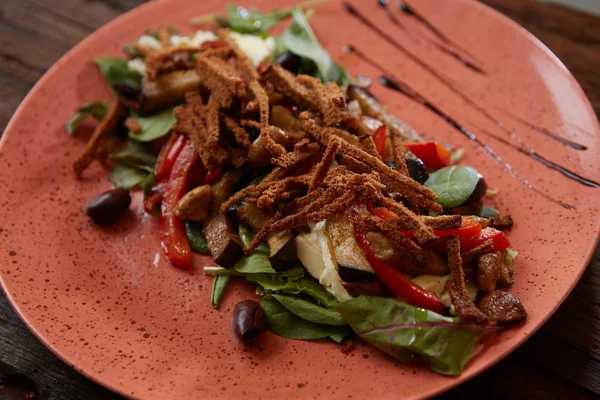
{"x": 117, "y": 73}
{"x": 310, "y": 311}
{"x": 488, "y": 212}
{"x": 243, "y": 20}
{"x": 283, "y": 283}
{"x": 95, "y": 109}
{"x": 301, "y": 40}
{"x": 196, "y": 238}
{"x": 134, "y": 154}
{"x": 220, "y": 283}
{"x": 154, "y": 126}
{"x": 129, "y": 176}
{"x": 255, "y": 262}
{"x": 453, "y": 185}
{"x": 510, "y": 256}
{"x": 285, "y": 323}
{"x": 398, "y": 329}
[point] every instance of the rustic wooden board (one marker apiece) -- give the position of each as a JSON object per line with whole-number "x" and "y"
{"x": 561, "y": 361}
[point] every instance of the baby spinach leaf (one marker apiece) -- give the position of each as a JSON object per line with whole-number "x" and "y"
{"x": 310, "y": 311}
{"x": 134, "y": 154}
{"x": 220, "y": 283}
{"x": 258, "y": 260}
{"x": 95, "y": 109}
{"x": 287, "y": 324}
{"x": 116, "y": 72}
{"x": 128, "y": 176}
{"x": 196, "y": 238}
{"x": 243, "y": 20}
{"x": 154, "y": 126}
{"x": 397, "y": 328}
{"x": 453, "y": 185}
{"x": 301, "y": 40}
{"x": 281, "y": 284}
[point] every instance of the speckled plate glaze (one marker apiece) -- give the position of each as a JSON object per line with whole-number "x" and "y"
{"x": 106, "y": 302}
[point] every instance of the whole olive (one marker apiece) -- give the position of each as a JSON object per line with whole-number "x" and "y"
{"x": 247, "y": 321}
{"x": 478, "y": 192}
{"x": 289, "y": 61}
{"x": 416, "y": 170}
{"x": 109, "y": 207}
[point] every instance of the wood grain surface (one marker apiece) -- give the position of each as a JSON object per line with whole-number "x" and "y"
{"x": 561, "y": 361}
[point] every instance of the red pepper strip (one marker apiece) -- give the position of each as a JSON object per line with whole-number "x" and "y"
{"x": 212, "y": 176}
{"x": 379, "y": 139}
{"x": 499, "y": 239}
{"x": 155, "y": 196}
{"x": 168, "y": 155}
{"x": 212, "y": 44}
{"x": 397, "y": 282}
{"x": 172, "y": 231}
{"x": 433, "y": 154}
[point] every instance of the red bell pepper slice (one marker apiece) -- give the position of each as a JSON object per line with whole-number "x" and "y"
{"x": 499, "y": 239}
{"x": 167, "y": 156}
{"x": 212, "y": 176}
{"x": 433, "y": 154}
{"x": 155, "y": 196}
{"x": 172, "y": 231}
{"x": 379, "y": 138}
{"x": 399, "y": 284}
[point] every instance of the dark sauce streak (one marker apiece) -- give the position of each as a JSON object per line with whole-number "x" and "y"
{"x": 550, "y": 164}
{"x": 402, "y": 87}
{"x": 447, "y": 47}
{"x": 558, "y": 138}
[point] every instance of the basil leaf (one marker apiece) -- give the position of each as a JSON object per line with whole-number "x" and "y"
{"x": 154, "y": 126}
{"x": 301, "y": 40}
{"x": 116, "y": 72}
{"x": 243, "y": 20}
{"x": 310, "y": 311}
{"x": 488, "y": 212}
{"x": 128, "y": 176}
{"x": 258, "y": 260}
{"x": 134, "y": 154}
{"x": 453, "y": 185}
{"x": 397, "y": 328}
{"x": 220, "y": 283}
{"x": 95, "y": 109}
{"x": 285, "y": 323}
{"x": 196, "y": 238}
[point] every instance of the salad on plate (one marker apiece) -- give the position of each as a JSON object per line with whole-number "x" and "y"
{"x": 261, "y": 152}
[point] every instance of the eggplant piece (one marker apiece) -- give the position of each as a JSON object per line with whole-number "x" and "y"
{"x": 351, "y": 261}
{"x": 365, "y": 289}
{"x": 167, "y": 91}
{"x": 258, "y": 155}
{"x": 283, "y": 253}
{"x": 223, "y": 242}
{"x": 372, "y": 108}
{"x": 250, "y": 215}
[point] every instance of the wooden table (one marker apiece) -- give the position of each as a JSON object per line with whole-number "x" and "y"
{"x": 561, "y": 361}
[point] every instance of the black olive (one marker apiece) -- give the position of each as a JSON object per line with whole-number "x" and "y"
{"x": 479, "y": 191}
{"x": 416, "y": 170}
{"x": 289, "y": 61}
{"x": 109, "y": 207}
{"x": 247, "y": 321}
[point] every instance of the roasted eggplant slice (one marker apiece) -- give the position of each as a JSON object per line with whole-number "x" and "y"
{"x": 283, "y": 254}
{"x": 223, "y": 243}
{"x": 352, "y": 263}
{"x": 167, "y": 91}
{"x": 253, "y": 217}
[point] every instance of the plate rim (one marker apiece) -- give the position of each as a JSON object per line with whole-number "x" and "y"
{"x": 452, "y": 381}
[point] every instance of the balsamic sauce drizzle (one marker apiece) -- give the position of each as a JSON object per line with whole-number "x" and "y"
{"x": 447, "y": 47}
{"x": 446, "y": 81}
{"x": 531, "y": 153}
{"x": 392, "y": 82}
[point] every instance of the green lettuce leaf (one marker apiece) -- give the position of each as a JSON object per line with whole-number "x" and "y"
{"x": 286, "y": 323}
{"x": 154, "y": 126}
{"x": 220, "y": 283}
{"x": 118, "y": 75}
{"x": 95, "y": 109}
{"x": 301, "y": 40}
{"x": 134, "y": 154}
{"x": 196, "y": 238}
{"x": 243, "y": 20}
{"x": 129, "y": 176}
{"x": 310, "y": 311}
{"x": 255, "y": 262}
{"x": 399, "y": 329}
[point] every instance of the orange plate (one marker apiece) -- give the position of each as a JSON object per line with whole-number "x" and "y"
{"x": 106, "y": 302}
